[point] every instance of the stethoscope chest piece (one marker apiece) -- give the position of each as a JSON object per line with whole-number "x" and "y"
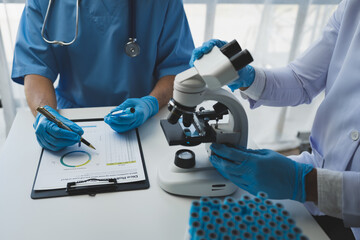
{"x": 132, "y": 48}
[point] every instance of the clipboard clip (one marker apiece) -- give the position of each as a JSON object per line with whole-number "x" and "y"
{"x": 75, "y": 188}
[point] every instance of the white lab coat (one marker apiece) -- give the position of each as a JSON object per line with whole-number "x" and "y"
{"x": 331, "y": 64}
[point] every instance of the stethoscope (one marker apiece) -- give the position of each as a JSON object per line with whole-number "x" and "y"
{"x": 132, "y": 48}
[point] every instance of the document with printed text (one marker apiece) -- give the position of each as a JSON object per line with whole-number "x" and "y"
{"x": 117, "y": 155}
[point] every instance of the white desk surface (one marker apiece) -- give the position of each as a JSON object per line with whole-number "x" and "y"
{"x": 141, "y": 214}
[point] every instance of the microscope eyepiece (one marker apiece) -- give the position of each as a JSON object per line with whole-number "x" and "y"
{"x": 231, "y": 48}
{"x": 241, "y": 59}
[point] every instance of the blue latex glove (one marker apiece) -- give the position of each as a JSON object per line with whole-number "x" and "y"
{"x": 246, "y": 74}
{"x": 204, "y": 49}
{"x": 145, "y": 108}
{"x": 261, "y": 170}
{"x": 246, "y": 78}
{"x": 51, "y": 136}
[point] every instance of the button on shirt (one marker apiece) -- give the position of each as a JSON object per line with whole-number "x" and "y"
{"x": 331, "y": 64}
{"x": 94, "y": 70}
{"x": 354, "y": 135}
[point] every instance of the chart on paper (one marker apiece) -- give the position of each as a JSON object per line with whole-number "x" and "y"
{"x": 116, "y": 156}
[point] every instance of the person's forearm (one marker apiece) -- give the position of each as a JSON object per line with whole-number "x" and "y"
{"x": 311, "y": 186}
{"x": 39, "y": 91}
{"x": 163, "y": 90}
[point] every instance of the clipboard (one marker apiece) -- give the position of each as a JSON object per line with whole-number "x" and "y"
{"x": 107, "y": 185}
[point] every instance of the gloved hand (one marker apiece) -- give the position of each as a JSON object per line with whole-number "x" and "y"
{"x": 51, "y": 136}
{"x": 261, "y": 170}
{"x": 246, "y": 74}
{"x": 145, "y": 108}
{"x": 204, "y": 49}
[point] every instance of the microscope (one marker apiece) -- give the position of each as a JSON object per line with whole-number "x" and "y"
{"x": 191, "y": 173}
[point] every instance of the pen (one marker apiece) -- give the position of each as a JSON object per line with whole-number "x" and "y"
{"x": 125, "y": 111}
{"x": 52, "y": 118}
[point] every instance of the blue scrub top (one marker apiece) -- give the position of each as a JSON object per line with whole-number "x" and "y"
{"x": 95, "y": 71}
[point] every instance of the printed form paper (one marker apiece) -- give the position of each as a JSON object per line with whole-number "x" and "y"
{"x": 117, "y": 155}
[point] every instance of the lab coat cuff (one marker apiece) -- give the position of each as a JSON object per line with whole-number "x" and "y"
{"x": 257, "y": 87}
{"x": 330, "y": 191}
{"x": 351, "y": 199}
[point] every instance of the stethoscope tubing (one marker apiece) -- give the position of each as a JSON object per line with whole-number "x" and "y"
{"x": 132, "y": 48}
{"x": 62, "y": 43}
{"x": 132, "y": 19}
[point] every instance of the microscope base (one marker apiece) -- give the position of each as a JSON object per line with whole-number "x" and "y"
{"x": 201, "y": 180}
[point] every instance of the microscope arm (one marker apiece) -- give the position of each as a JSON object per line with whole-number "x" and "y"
{"x": 236, "y": 130}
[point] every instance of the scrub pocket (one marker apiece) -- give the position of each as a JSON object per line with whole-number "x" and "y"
{"x": 101, "y": 13}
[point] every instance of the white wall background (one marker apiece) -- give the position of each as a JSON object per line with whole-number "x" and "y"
{"x": 274, "y": 31}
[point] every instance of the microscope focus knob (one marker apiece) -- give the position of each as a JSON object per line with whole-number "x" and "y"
{"x": 185, "y": 158}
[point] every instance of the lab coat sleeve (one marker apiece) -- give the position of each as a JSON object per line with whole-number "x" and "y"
{"x": 306, "y": 158}
{"x": 257, "y": 87}
{"x": 305, "y": 77}
{"x": 330, "y": 192}
{"x": 351, "y": 199}
{"x": 175, "y": 44}
{"x": 339, "y": 195}
{"x": 32, "y": 54}
{"x": 338, "y": 192}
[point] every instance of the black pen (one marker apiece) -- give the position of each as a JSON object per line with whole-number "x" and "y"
{"x": 52, "y": 118}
